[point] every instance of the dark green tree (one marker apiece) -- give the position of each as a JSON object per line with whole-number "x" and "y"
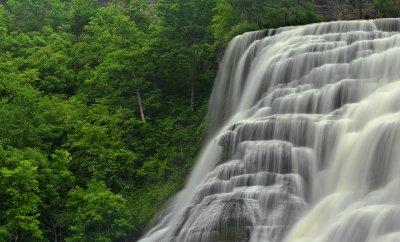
{"x": 19, "y": 197}
{"x": 97, "y": 214}
{"x": 388, "y": 8}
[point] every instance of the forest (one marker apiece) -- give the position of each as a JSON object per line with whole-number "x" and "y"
{"x": 103, "y": 104}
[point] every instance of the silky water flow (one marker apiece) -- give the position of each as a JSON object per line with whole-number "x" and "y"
{"x": 305, "y": 140}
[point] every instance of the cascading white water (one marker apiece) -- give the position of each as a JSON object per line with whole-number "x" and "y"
{"x": 306, "y": 145}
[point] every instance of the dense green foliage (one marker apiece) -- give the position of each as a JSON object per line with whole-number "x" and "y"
{"x": 103, "y": 102}
{"x": 388, "y": 8}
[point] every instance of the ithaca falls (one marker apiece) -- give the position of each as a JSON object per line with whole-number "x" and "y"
{"x": 304, "y": 140}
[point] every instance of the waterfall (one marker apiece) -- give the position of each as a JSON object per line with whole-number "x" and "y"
{"x": 305, "y": 142}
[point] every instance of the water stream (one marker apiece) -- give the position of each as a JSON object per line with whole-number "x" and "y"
{"x": 306, "y": 140}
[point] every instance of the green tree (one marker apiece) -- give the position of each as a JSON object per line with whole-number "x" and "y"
{"x": 19, "y": 199}
{"x": 112, "y": 55}
{"x": 55, "y": 180}
{"x": 33, "y": 15}
{"x": 82, "y": 12}
{"x": 96, "y": 214}
{"x": 53, "y": 62}
{"x": 388, "y": 8}
{"x": 181, "y": 48}
{"x": 97, "y": 147}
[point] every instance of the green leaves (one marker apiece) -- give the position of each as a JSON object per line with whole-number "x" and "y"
{"x": 33, "y": 15}
{"x": 70, "y": 83}
{"x": 97, "y": 150}
{"x": 388, "y": 8}
{"x": 54, "y": 65}
{"x": 97, "y": 214}
{"x": 19, "y": 199}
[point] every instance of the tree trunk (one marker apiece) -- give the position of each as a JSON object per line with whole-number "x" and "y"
{"x": 141, "y": 109}
{"x": 140, "y": 104}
